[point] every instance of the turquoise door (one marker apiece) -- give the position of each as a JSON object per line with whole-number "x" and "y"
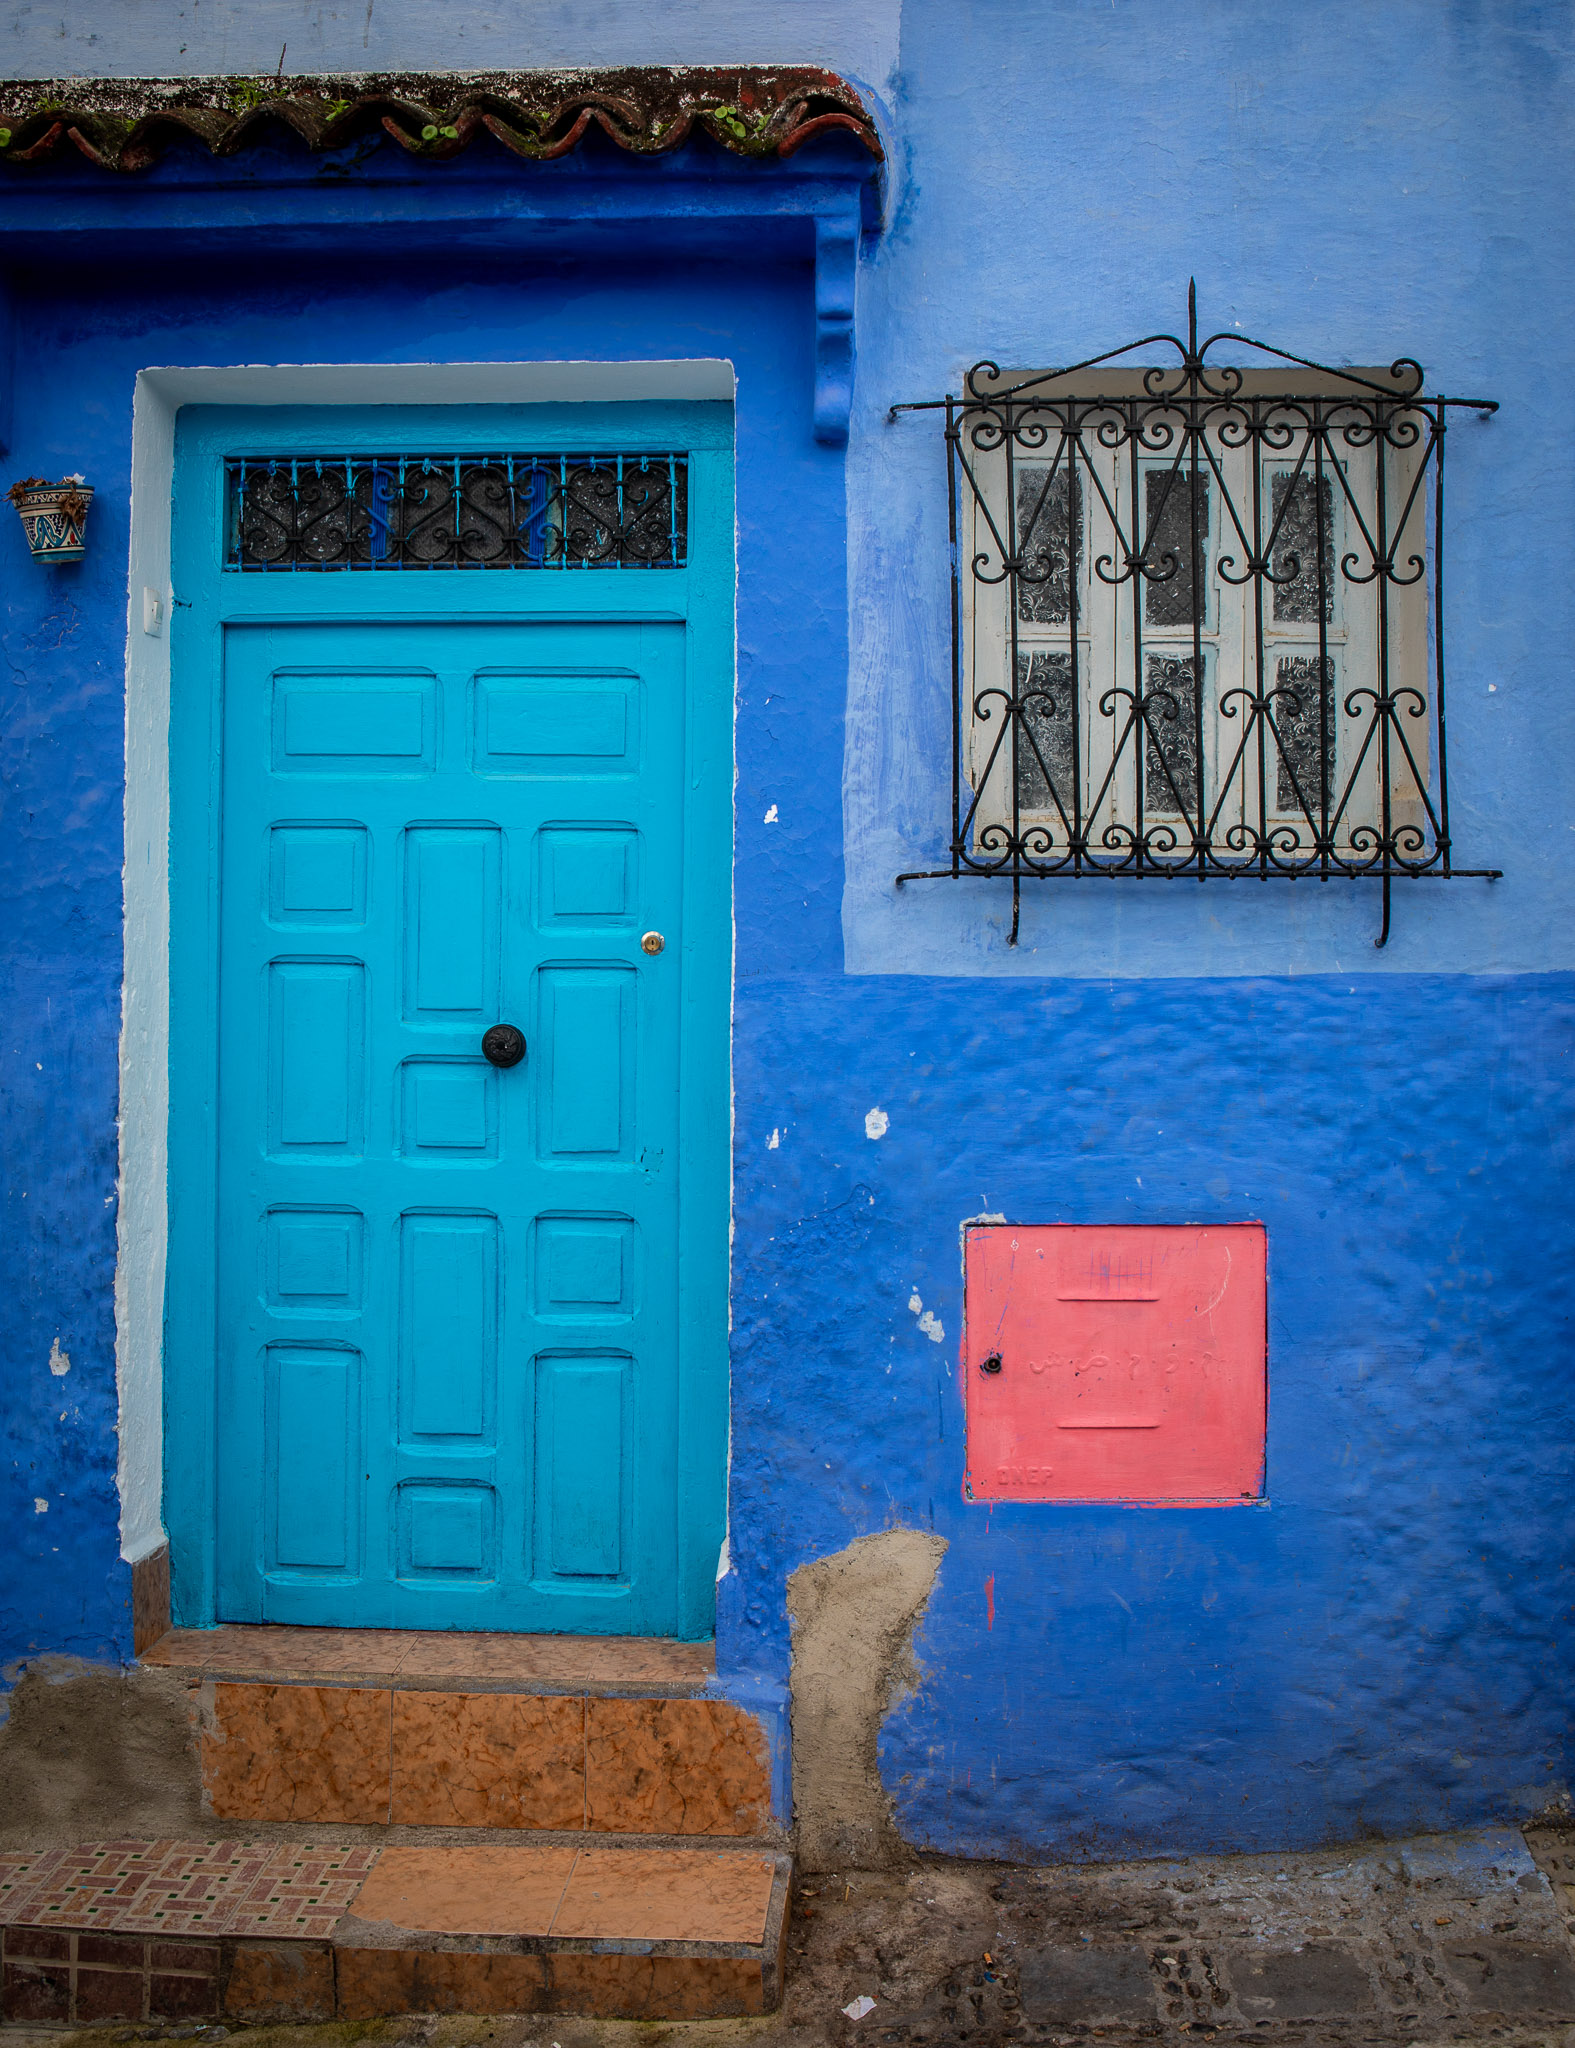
{"x": 454, "y": 1382}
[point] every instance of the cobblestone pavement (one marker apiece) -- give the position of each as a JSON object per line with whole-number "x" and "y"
{"x": 1441, "y": 1939}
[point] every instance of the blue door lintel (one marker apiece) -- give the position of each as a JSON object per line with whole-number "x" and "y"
{"x": 277, "y": 205}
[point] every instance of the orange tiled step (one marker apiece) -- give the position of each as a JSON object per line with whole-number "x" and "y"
{"x": 265, "y": 1932}
{"x": 412, "y": 1659}
{"x": 383, "y": 1728}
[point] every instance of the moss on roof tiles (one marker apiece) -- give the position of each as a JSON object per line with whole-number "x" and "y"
{"x": 125, "y": 125}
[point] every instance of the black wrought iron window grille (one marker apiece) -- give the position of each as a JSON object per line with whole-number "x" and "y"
{"x": 521, "y": 511}
{"x": 1198, "y": 620}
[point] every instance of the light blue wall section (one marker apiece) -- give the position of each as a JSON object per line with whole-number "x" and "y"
{"x": 157, "y": 38}
{"x": 1349, "y": 182}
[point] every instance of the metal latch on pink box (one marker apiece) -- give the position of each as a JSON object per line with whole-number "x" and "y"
{"x": 1116, "y": 1364}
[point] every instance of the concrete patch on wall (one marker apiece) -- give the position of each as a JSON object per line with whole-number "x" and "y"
{"x": 853, "y": 1616}
{"x": 91, "y": 1753}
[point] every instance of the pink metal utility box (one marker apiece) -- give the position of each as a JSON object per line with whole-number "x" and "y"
{"x": 1127, "y": 1363}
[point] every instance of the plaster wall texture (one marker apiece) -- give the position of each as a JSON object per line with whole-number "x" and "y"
{"x": 93, "y": 1753}
{"x": 168, "y": 38}
{"x": 1371, "y": 1649}
{"x": 1380, "y": 1646}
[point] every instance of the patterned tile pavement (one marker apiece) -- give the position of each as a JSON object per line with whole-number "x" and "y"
{"x": 293, "y": 1891}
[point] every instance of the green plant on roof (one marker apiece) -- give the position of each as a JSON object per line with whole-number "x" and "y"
{"x": 5, "y": 138}
{"x": 432, "y": 133}
{"x": 732, "y": 120}
{"x": 246, "y": 93}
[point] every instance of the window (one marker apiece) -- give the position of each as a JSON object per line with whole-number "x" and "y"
{"x": 1191, "y": 623}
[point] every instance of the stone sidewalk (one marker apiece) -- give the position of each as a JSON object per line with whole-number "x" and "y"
{"x": 1438, "y": 1939}
{"x": 1441, "y": 1939}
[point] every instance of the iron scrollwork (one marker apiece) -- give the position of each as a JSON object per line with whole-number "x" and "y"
{"x": 1198, "y": 620}
{"x": 512, "y": 511}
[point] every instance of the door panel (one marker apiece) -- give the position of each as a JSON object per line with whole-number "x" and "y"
{"x": 447, "y": 1308}
{"x": 453, "y": 925}
{"x": 313, "y": 1396}
{"x": 448, "y": 1327}
{"x": 316, "y": 1041}
{"x": 583, "y": 1476}
{"x": 587, "y": 1033}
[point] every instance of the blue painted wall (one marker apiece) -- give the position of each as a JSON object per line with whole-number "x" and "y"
{"x": 63, "y": 1587}
{"x": 1374, "y": 1648}
{"x": 1382, "y": 1646}
{"x": 748, "y": 296}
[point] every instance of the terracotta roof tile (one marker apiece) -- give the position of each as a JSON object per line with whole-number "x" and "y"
{"x": 127, "y": 124}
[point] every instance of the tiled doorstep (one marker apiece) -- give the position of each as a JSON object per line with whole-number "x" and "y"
{"x": 415, "y": 1660}
{"x": 581, "y": 1894}
{"x": 619, "y": 1933}
{"x": 352, "y": 1755}
{"x": 626, "y": 1932}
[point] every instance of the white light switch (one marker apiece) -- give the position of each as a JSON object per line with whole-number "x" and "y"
{"x": 152, "y": 613}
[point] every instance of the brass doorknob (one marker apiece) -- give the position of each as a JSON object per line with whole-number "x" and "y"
{"x": 652, "y": 943}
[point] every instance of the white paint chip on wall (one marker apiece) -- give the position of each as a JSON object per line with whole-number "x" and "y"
{"x": 876, "y": 1124}
{"x": 774, "y": 1140}
{"x": 771, "y": 816}
{"x": 40, "y": 1507}
{"x": 929, "y": 1322}
{"x": 59, "y": 1361}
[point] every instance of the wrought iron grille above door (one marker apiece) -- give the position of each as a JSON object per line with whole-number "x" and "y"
{"x": 1197, "y": 621}
{"x": 480, "y": 511}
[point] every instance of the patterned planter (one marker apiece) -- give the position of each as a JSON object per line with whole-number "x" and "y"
{"x": 53, "y": 516}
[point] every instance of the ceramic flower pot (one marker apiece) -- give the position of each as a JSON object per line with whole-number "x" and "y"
{"x": 53, "y": 516}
